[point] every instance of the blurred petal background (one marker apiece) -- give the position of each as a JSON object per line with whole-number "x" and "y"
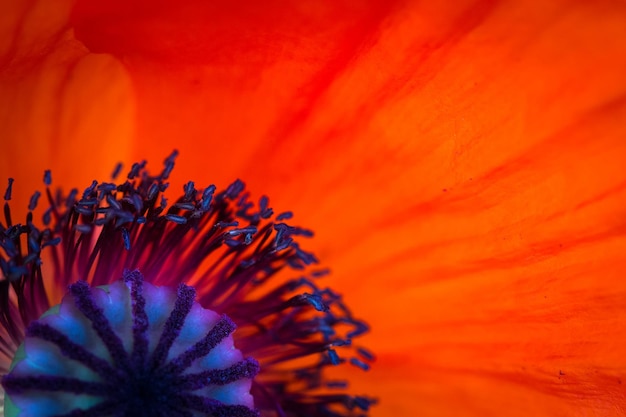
{"x": 462, "y": 164}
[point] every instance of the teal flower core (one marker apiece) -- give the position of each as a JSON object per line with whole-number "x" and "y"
{"x": 129, "y": 349}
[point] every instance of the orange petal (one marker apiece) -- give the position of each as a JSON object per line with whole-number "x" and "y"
{"x": 462, "y": 165}
{"x": 61, "y": 107}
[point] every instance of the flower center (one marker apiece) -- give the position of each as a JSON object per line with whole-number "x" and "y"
{"x": 129, "y": 349}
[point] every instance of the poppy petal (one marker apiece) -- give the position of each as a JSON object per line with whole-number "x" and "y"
{"x": 461, "y": 164}
{"x": 62, "y": 106}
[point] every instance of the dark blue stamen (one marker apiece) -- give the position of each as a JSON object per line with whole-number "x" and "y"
{"x": 284, "y": 216}
{"x": 126, "y": 237}
{"x": 366, "y": 354}
{"x": 117, "y": 170}
{"x": 52, "y": 242}
{"x": 185, "y": 206}
{"x": 169, "y": 165}
{"x": 363, "y": 403}
{"x": 7, "y": 193}
{"x": 135, "y": 169}
{"x": 47, "y": 177}
{"x": 207, "y": 197}
{"x": 33, "y": 201}
{"x": 320, "y": 273}
{"x": 264, "y": 211}
{"x": 113, "y": 203}
{"x": 88, "y": 202}
{"x": 176, "y": 218}
{"x": 107, "y": 187}
{"x": 359, "y": 364}
{"x": 33, "y": 244}
{"x": 89, "y": 190}
{"x": 312, "y": 299}
{"x": 334, "y": 357}
{"x": 136, "y": 201}
{"x": 83, "y": 228}
{"x": 189, "y": 190}
{"x": 235, "y": 189}
{"x": 152, "y": 191}
{"x": 47, "y": 217}
{"x": 224, "y": 225}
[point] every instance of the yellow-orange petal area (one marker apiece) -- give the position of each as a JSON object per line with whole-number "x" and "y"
{"x": 462, "y": 165}
{"x": 61, "y": 107}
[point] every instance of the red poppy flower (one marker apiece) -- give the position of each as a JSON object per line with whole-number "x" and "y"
{"x": 461, "y": 166}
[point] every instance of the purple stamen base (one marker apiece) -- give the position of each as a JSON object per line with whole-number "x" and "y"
{"x": 221, "y": 242}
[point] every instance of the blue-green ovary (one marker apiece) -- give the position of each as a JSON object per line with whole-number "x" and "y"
{"x": 129, "y": 348}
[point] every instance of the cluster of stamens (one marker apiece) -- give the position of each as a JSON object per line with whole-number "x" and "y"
{"x": 244, "y": 262}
